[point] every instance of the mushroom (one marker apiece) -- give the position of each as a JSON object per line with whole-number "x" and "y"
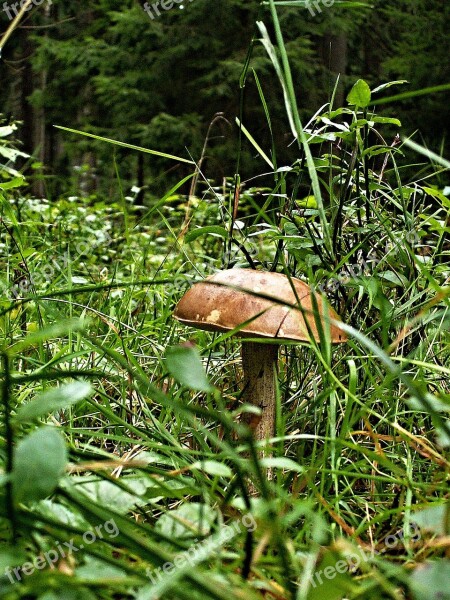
{"x": 242, "y": 298}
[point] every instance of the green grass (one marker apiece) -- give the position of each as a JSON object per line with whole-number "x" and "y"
{"x": 360, "y": 459}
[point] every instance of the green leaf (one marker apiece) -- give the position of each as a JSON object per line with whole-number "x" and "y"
{"x": 435, "y": 194}
{"x": 331, "y": 579}
{"x": 430, "y": 581}
{"x": 11, "y": 153}
{"x": 94, "y": 568}
{"x": 108, "y": 494}
{"x": 436, "y": 403}
{"x": 394, "y": 278}
{"x": 432, "y": 156}
{"x": 254, "y": 143}
{"x": 185, "y": 366}
{"x": 384, "y": 86}
{"x": 387, "y": 120}
{"x": 125, "y": 145}
{"x": 212, "y": 467}
{"x": 57, "y": 330}
{"x": 54, "y": 399}
{"x": 379, "y": 149}
{"x": 68, "y": 593}
{"x": 7, "y": 130}
{"x": 40, "y": 460}
{"x": 435, "y": 518}
{"x": 280, "y": 462}
{"x": 413, "y": 94}
{"x": 360, "y": 94}
{"x": 209, "y": 230}
{"x": 285, "y": 76}
{"x": 14, "y": 183}
{"x": 64, "y": 514}
{"x": 188, "y": 521}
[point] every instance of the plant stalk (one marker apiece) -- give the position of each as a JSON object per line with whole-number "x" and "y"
{"x": 9, "y": 439}
{"x": 259, "y": 362}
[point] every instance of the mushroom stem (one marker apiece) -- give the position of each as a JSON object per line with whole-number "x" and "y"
{"x": 259, "y": 363}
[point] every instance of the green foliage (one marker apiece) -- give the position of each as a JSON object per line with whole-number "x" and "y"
{"x": 53, "y": 400}
{"x": 360, "y": 94}
{"x": 39, "y": 462}
{"x": 126, "y": 472}
{"x": 10, "y": 178}
{"x": 184, "y": 364}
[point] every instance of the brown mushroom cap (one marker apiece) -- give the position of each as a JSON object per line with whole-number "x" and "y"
{"x": 223, "y": 307}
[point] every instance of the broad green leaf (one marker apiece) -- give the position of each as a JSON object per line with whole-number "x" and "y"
{"x": 209, "y": 230}
{"x": 188, "y": 521}
{"x": 338, "y": 112}
{"x": 185, "y": 366}
{"x": 56, "y": 330}
{"x": 308, "y": 202}
{"x": 360, "y": 94}
{"x": 212, "y": 467}
{"x": 281, "y": 462}
{"x": 40, "y": 460}
{"x": 394, "y": 278}
{"x": 11, "y": 153}
{"x": 389, "y": 120}
{"x": 108, "y": 494}
{"x": 435, "y": 194}
{"x": 435, "y": 518}
{"x": 54, "y": 399}
{"x": 331, "y": 579}
{"x": 63, "y": 513}
{"x": 7, "y": 130}
{"x": 430, "y": 581}
{"x": 14, "y": 183}
{"x": 437, "y": 404}
{"x": 361, "y": 123}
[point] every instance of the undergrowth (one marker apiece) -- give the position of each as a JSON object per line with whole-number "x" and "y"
{"x": 126, "y": 466}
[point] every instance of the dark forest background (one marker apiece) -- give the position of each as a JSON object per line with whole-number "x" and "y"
{"x": 106, "y": 67}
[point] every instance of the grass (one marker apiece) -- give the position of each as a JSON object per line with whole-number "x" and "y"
{"x": 151, "y": 476}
